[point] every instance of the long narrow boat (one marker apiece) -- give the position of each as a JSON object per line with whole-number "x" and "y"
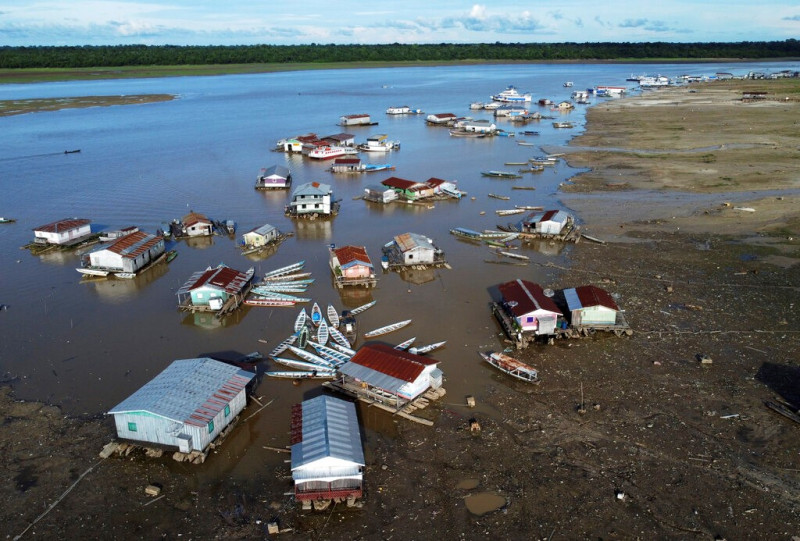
{"x": 529, "y": 207}
{"x": 363, "y": 307}
{"x": 402, "y": 346}
{"x": 286, "y": 277}
{"x": 283, "y": 283}
{"x": 87, "y": 271}
{"x": 300, "y": 321}
{"x": 302, "y": 337}
{"x": 300, "y": 365}
{"x": 333, "y": 355}
{"x": 387, "y": 329}
{"x": 343, "y": 349}
{"x": 500, "y": 174}
{"x": 310, "y": 357}
{"x": 316, "y": 315}
{"x": 269, "y": 302}
{"x": 427, "y": 349}
{"x": 291, "y": 374}
{"x": 281, "y": 296}
{"x": 333, "y": 317}
{"x": 512, "y": 366}
{"x": 338, "y": 337}
{"x": 284, "y": 270}
{"x": 509, "y": 212}
{"x": 283, "y": 346}
{"x": 279, "y": 289}
{"x": 513, "y": 255}
{"x": 323, "y": 333}
{"x": 497, "y": 196}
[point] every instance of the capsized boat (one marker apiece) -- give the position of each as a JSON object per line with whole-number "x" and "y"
{"x": 511, "y": 366}
{"x": 333, "y": 317}
{"x": 283, "y": 346}
{"x": 363, "y": 307}
{"x": 316, "y": 315}
{"x": 292, "y": 374}
{"x": 427, "y": 349}
{"x": 387, "y": 329}
{"x": 402, "y": 346}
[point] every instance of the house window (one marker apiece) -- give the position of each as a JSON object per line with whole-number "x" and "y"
{"x": 529, "y": 319}
{"x": 199, "y": 295}
{"x": 210, "y": 427}
{"x": 227, "y": 410}
{"x": 131, "y": 427}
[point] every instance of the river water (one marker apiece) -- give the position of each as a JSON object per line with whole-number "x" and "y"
{"x": 87, "y": 346}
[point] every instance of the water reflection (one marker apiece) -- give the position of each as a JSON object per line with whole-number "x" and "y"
{"x": 313, "y": 229}
{"x": 201, "y": 243}
{"x": 209, "y": 320}
{"x": 60, "y": 257}
{"x": 417, "y": 276}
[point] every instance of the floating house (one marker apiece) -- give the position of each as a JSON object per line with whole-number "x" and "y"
{"x": 351, "y": 266}
{"x": 410, "y": 190}
{"x": 276, "y": 177}
{"x": 379, "y": 194}
{"x": 211, "y": 289}
{"x": 63, "y": 232}
{"x": 548, "y": 222}
{"x": 532, "y": 311}
{"x": 444, "y": 187}
{"x": 347, "y": 165}
{"x": 440, "y": 119}
{"x": 129, "y": 254}
{"x": 197, "y": 225}
{"x": 186, "y": 406}
{"x": 296, "y": 144}
{"x": 341, "y": 139}
{"x": 356, "y": 120}
{"x": 402, "y": 375}
{"x": 478, "y": 126}
{"x": 260, "y": 236}
{"x": 412, "y": 249}
{"x": 312, "y": 199}
{"x": 327, "y": 456}
{"x": 590, "y": 305}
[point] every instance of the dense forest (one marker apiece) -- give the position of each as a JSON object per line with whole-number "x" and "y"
{"x": 169, "y": 55}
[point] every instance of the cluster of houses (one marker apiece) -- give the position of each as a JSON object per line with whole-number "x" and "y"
{"x": 395, "y": 188}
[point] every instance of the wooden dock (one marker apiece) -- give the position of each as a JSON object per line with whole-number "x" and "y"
{"x": 392, "y": 404}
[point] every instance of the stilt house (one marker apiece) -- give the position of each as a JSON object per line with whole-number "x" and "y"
{"x": 533, "y": 311}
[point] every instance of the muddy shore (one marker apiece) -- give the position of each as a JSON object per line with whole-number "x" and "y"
{"x": 668, "y": 448}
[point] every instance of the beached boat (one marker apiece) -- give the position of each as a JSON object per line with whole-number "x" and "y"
{"x": 300, "y": 365}
{"x": 300, "y": 320}
{"x": 427, "y": 349}
{"x": 500, "y": 174}
{"x": 496, "y": 196}
{"x": 89, "y": 271}
{"x": 316, "y": 374}
{"x": 268, "y": 302}
{"x": 337, "y": 335}
{"x": 402, "y": 346}
{"x": 512, "y": 366}
{"x": 363, "y": 307}
{"x": 310, "y": 357}
{"x": 316, "y": 315}
{"x": 322, "y": 333}
{"x": 333, "y": 355}
{"x": 283, "y": 346}
{"x": 511, "y": 95}
{"x": 273, "y": 274}
{"x": 512, "y": 255}
{"x": 333, "y": 317}
{"x": 387, "y": 329}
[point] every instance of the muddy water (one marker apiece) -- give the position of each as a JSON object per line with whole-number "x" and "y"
{"x": 484, "y": 502}
{"x": 87, "y": 346}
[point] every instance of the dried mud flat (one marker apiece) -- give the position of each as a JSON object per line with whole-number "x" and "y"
{"x": 668, "y": 447}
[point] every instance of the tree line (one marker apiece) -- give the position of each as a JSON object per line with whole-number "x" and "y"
{"x": 171, "y": 55}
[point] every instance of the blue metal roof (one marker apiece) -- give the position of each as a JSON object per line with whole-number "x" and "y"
{"x": 330, "y": 429}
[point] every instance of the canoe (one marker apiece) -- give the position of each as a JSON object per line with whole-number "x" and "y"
{"x": 310, "y": 357}
{"x": 512, "y": 366}
{"x": 294, "y": 363}
{"x": 286, "y": 277}
{"x": 426, "y": 349}
{"x": 363, "y": 307}
{"x": 266, "y": 290}
{"x": 274, "y": 295}
{"x": 300, "y": 322}
{"x": 172, "y": 254}
{"x": 343, "y": 349}
{"x": 402, "y": 346}
{"x": 338, "y": 337}
{"x": 496, "y": 196}
{"x": 333, "y": 317}
{"x": 500, "y": 174}
{"x": 322, "y": 333}
{"x": 509, "y": 212}
{"x": 316, "y": 315}
{"x": 514, "y": 256}
{"x": 387, "y": 329}
{"x": 284, "y": 270}
{"x": 283, "y": 346}
{"x": 269, "y": 302}
{"x": 290, "y": 374}
{"x": 302, "y": 337}
{"x": 334, "y": 355}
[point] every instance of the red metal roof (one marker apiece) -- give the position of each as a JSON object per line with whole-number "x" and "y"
{"x": 594, "y": 296}
{"x": 346, "y": 254}
{"x": 444, "y": 115}
{"x": 194, "y": 218}
{"x": 524, "y": 297}
{"x": 392, "y": 362}
{"x": 433, "y": 181}
{"x": 400, "y": 183}
{"x": 346, "y": 161}
{"x": 63, "y": 225}
{"x": 356, "y": 116}
{"x": 222, "y": 277}
{"x": 133, "y": 244}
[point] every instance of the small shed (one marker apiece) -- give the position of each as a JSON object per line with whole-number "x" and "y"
{"x": 185, "y": 406}
{"x": 211, "y": 288}
{"x": 440, "y": 118}
{"x": 260, "y": 236}
{"x": 130, "y": 253}
{"x": 63, "y": 231}
{"x": 347, "y": 165}
{"x": 548, "y": 222}
{"x": 356, "y": 120}
{"x": 275, "y": 177}
{"x": 401, "y": 374}
{"x": 415, "y": 249}
{"x": 312, "y": 198}
{"x": 479, "y": 126}
{"x": 379, "y": 194}
{"x": 341, "y": 139}
{"x": 533, "y": 311}
{"x": 327, "y": 456}
{"x": 590, "y": 305}
{"x": 197, "y": 225}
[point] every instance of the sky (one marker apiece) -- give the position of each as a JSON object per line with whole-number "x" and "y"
{"x": 247, "y": 22}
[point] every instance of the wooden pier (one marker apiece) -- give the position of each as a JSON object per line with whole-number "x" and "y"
{"x": 390, "y": 403}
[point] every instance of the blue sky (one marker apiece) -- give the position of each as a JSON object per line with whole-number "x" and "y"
{"x": 240, "y": 22}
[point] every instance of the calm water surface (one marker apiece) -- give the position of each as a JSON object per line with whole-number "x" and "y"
{"x": 87, "y": 346}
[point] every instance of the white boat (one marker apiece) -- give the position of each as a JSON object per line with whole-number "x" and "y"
{"x": 283, "y": 346}
{"x": 285, "y": 277}
{"x": 88, "y": 271}
{"x": 316, "y": 315}
{"x": 300, "y": 321}
{"x": 403, "y": 110}
{"x": 316, "y": 374}
{"x": 387, "y": 329}
{"x": 262, "y": 301}
{"x": 310, "y": 357}
{"x": 363, "y": 307}
{"x": 402, "y": 346}
{"x": 300, "y": 365}
{"x": 268, "y": 290}
{"x": 378, "y": 143}
{"x": 322, "y": 333}
{"x": 126, "y": 275}
{"x": 476, "y": 105}
{"x": 426, "y": 349}
{"x": 511, "y": 95}
{"x": 568, "y": 84}
{"x": 284, "y": 270}
{"x": 343, "y": 349}
{"x": 334, "y": 355}
{"x": 509, "y": 212}
{"x": 338, "y": 337}
{"x": 333, "y": 317}
{"x": 512, "y": 366}
{"x": 274, "y": 295}
{"x": 514, "y": 256}
{"x": 328, "y": 152}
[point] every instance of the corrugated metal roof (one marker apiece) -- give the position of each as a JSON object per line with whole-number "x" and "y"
{"x": 385, "y": 367}
{"x": 340, "y": 136}
{"x": 262, "y": 230}
{"x": 194, "y": 218}
{"x": 346, "y": 161}
{"x": 313, "y": 188}
{"x": 190, "y": 391}
{"x": 523, "y": 297}
{"x": 558, "y": 216}
{"x": 399, "y": 183}
{"x": 222, "y": 277}
{"x": 330, "y": 429}
{"x": 588, "y": 296}
{"x": 409, "y": 241}
{"x": 133, "y": 245}
{"x": 277, "y": 171}
{"x": 350, "y": 255}
{"x": 63, "y": 225}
